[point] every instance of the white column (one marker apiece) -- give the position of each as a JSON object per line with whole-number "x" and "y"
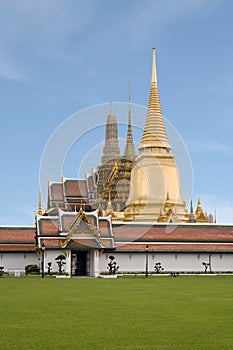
{"x": 95, "y": 263}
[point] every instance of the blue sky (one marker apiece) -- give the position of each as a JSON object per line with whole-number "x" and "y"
{"x": 58, "y": 57}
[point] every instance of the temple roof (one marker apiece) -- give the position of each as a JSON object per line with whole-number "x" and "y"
{"x": 75, "y": 229}
{"x": 179, "y": 248}
{"x": 172, "y": 233}
{"x": 75, "y": 187}
{"x": 17, "y": 238}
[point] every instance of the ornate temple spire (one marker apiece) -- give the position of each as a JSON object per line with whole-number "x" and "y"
{"x": 199, "y": 209}
{"x": 191, "y": 213}
{"x": 201, "y": 216}
{"x": 129, "y": 152}
{"x": 154, "y": 134}
{"x": 111, "y": 149}
{"x": 39, "y": 211}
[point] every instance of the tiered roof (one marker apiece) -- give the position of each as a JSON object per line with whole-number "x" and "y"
{"x": 75, "y": 230}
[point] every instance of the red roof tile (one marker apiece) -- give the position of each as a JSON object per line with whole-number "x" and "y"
{"x": 56, "y": 190}
{"x": 48, "y": 226}
{"x": 176, "y": 247}
{"x": 104, "y": 227}
{"x": 17, "y": 247}
{"x": 17, "y": 234}
{"x": 107, "y": 242}
{"x": 84, "y": 243}
{"x": 67, "y": 221}
{"x": 52, "y": 243}
{"x": 187, "y": 233}
{"x": 75, "y": 188}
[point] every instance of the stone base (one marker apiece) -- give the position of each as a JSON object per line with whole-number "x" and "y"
{"x": 107, "y": 276}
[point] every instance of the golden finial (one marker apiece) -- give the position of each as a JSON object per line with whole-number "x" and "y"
{"x": 81, "y": 206}
{"x": 129, "y": 134}
{"x": 39, "y": 212}
{"x": 129, "y": 79}
{"x": 153, "y": 72}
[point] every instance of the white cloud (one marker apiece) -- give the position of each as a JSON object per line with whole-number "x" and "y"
{"x": 9, "y": 71}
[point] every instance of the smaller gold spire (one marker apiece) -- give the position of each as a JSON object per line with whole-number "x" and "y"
{"x": 39, "y": 212}
{"x": 199, "y": 209}
{"x": 129, "y": 152}
{"x": 201, "y": 216}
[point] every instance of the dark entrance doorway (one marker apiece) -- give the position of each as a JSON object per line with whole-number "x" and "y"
{"x": 79, "y": 263}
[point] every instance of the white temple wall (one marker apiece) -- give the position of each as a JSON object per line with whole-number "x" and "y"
{"x": 94, "y": 263}
{"x": 51, "y": 255}
{"x": 12, "y": 261}
{"x": 180, "y": 262}
{"x": 127, "y": 262}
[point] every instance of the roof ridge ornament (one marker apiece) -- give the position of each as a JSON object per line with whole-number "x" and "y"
{"x": 40, "y": 208}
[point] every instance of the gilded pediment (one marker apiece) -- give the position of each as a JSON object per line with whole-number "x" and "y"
{"x": 82, "y": 226}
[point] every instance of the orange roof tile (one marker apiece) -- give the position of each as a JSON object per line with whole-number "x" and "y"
{"x": 17, "y": 234}
{"x": 189, "y": 233}
{"x": 75, "y": 188}
{"x": 176, "y": 247}
{"x": 17, "y": 247}
{"x": 56, "y": 190}
{"x": 48, "y": 226}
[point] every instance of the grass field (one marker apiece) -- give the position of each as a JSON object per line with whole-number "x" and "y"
{"x": 188, "y": 312}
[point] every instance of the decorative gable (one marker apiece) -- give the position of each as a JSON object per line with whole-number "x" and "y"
{"x": 82, "y": 226}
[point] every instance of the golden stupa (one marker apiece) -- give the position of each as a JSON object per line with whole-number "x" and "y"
{"x": 155, "y": 189}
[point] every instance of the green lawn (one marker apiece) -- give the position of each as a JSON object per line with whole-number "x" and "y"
{"x": 187, "y": 312}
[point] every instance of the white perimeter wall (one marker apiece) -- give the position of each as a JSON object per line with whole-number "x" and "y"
{"x": 18, "y": 261}
{"x": 51, "y": 255}
{"x": 127, "y": 262}
{"x": 136, "y": 262}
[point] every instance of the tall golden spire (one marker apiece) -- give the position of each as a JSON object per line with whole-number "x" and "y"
{"x": 154, "y": 134}
{"x": 129, "y": 152}
{"x": 39, "y": 212}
